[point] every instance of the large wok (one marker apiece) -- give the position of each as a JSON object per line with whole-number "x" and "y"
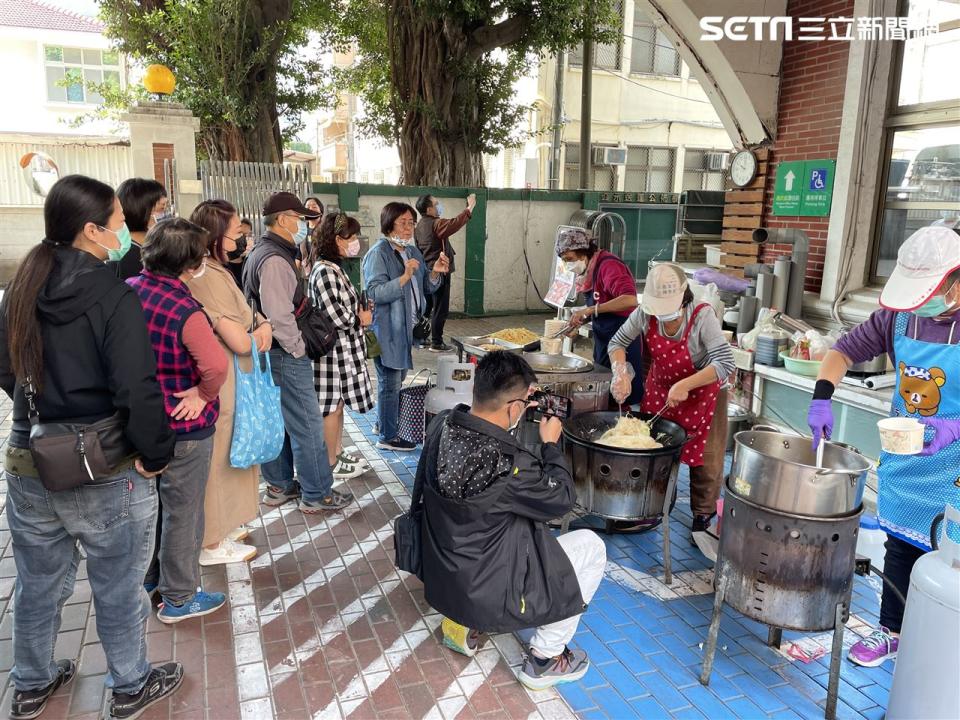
{"x": 620, "y": 483}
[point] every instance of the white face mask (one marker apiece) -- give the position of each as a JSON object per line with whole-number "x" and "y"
{"x": 197, "y": 274}
{"x": 402, "y": 242}
{"x": 670, "y": 317}
{"x": 577, "y": 267}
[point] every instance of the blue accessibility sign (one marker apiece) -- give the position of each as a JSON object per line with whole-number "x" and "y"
{"x": 818, "y": 178}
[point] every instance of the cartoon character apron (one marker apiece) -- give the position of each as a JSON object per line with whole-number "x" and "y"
{"x": 670, "y": 363}
{"x": 914, "y": 488}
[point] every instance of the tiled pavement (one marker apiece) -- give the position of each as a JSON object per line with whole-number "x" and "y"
{"x": 321, "y": 625}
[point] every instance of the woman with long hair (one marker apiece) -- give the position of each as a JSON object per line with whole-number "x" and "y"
{"x": 341, "y": 377}
{"x": 232, "y": 493}
{"x": 75, "y": 335}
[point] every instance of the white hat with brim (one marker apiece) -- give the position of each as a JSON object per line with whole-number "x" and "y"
{"x": 923, "y": 263}
{"x": 663, "y": 292}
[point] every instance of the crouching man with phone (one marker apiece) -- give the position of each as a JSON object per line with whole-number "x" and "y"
{"x": 490, "y": 563}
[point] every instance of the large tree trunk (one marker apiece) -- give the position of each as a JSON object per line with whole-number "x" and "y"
{"x": 436, "y": 99}
{"x": 259, "y": 143}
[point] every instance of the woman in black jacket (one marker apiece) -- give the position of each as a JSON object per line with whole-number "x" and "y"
{"x": 77, "y": 333}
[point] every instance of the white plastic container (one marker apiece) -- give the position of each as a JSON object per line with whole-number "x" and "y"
{"x": 901, "y": 436}
{"x": 551, "y": 346}
{"x": 870, "y": 540}
{"x": 925, "y": 683}
{"x": 714, "y": 255}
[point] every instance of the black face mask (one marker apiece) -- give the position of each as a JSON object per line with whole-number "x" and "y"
{"x": 237, "y": 253}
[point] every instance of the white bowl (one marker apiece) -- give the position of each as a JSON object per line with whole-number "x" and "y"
{"x": 901, "y": 436}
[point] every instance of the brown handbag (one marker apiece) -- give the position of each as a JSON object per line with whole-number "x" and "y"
{"x": 68, "y": 455}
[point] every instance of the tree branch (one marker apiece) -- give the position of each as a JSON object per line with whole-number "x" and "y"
{"x": 504, "y": 34}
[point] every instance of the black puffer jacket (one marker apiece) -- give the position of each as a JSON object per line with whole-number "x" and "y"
{"x": 97, "y": 358}
{"x": 489, "y": 560}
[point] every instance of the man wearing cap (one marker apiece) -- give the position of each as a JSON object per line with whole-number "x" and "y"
{"x": 611, "y": 294}
{"x": 917, "y": 327}
{"x": 271, "y": 278}
{"x": 690, "y": 361}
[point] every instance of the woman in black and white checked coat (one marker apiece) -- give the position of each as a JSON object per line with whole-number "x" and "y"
{"x": 341, "y": 377}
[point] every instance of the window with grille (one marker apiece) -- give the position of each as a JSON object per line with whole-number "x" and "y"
{"x": 923, "y": 136}
{"x": 605, "y": 55}
{"x": 649, "y": 169}
{"x": 697, "y": 174}
{"x": 69, "y": 70}
{"x": 652, "y": 51}
{"x": 602, "y": 177}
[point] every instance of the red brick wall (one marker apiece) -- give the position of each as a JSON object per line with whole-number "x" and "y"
{"x": 808, "y": 121}
{"x": 161, "y": 152}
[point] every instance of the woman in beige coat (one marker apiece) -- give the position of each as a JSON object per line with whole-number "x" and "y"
{"x": 232, "y": 493}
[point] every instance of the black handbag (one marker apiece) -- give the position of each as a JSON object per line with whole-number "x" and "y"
{"x": 68, "y": 455}
{"x": 407, "y": 538}
{"x": 317, "y": 329}
{"x": 421, "y": 328}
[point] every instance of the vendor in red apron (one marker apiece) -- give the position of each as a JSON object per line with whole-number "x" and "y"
{"x": 611, "y": 295}
{"x": 917, "y": 326}
{"x": 690, "y": 361}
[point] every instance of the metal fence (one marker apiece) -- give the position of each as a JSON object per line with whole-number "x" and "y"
{"x": 247, "y": 184}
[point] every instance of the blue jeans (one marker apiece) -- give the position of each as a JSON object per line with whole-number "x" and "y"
{"x": 303, "y": 444}
{"x": 389, "y": 381}
{"x": 114, "y": 522}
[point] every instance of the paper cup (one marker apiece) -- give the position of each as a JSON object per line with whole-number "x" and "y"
{"x": 901, "y": 436}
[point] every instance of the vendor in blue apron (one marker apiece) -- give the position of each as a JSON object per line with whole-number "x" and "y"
{"x": 611, "y": 295}
{"x": 917, "y": 326}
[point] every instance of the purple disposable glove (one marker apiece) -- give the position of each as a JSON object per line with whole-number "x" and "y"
{"x": 820, "y": 420}
{"x": 945, "y": 432}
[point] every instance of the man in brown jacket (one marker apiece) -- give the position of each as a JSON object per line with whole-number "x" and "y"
{"x": 432, "y": 234}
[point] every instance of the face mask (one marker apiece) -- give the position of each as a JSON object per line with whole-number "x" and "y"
{"x": 935, "y": 306}
{"x": 237, "y": 252}
{"x": 577, "y": 267}
{"x": 439, "y": 208}
{"x": 669, "y": 318}
{"x": 302, "y": 231}
{"x": 353, "y": 248}
{"x": 402, "y": 242}
{"x": 157, "y": 217}
{"x": 123, "y": 235}
{"x": 197, "y": 274}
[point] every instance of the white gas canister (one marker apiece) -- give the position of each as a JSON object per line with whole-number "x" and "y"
{"x": 926, "y": 680}
{"x": 454, "y": 386}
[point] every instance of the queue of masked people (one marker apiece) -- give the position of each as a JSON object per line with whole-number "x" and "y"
{"x": 122, "y": 337}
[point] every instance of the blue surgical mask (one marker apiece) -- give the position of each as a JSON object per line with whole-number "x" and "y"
{"x": 126, "y": 240}
{"x": 302, "y": 231}
{"x": 935, "y": 307}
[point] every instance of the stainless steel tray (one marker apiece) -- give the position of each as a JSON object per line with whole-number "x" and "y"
{"x": 472, "y": 344}
{"x": 544, "y": 363}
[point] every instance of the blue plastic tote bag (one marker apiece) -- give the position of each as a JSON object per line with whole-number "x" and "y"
{"x": 257, "y": 420}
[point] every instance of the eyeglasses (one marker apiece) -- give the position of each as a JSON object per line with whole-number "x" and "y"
{"x": 405, "y": 223}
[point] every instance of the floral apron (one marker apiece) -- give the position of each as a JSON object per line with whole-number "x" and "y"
{"x": 671, "y": 362}
{"x": 915, "y": 488}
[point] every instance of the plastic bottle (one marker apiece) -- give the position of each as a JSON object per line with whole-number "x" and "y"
{"x": 871, "y": 539}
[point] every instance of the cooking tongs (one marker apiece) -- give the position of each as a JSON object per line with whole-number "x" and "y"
{"x": 564, "y": 330}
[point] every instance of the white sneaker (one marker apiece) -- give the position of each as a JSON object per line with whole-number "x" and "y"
{"x": 238, "y": 535}
{"x": 227, "y": 552}
{"x": 345, "y": 471}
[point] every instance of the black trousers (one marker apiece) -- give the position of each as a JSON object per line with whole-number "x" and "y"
{"x": 898, "y": 562}
{"x": 438, "y": 307}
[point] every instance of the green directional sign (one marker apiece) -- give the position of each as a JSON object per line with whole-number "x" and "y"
{"x": 787, "y": 189}
{"x": 817, "y": 187}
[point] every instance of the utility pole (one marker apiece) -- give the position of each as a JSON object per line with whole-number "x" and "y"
{"x": 555, "y": 169}
{"x": 586, "y": 101}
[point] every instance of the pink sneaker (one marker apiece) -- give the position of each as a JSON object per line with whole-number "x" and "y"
{"x": 875, "y": 649}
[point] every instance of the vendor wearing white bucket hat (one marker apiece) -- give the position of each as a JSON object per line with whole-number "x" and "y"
{"x": 690, "y": 361}
{"x": 917, "y": 327}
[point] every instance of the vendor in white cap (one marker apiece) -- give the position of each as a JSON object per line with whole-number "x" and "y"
{"x": 917, "y": 328}
{"x": 690, "y": 360}
{"x": 611, "y": 294}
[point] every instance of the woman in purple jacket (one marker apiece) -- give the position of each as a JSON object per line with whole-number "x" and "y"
{"x": 917, "y": 328}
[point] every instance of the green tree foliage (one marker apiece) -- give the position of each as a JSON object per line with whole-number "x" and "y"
{"x": 436, "y": 76}
{"x": 244, "y": 67}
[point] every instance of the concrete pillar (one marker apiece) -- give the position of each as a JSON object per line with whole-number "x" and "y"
{"x": 160, "y": 130}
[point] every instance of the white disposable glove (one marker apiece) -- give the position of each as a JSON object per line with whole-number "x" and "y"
{"x": 622, "y": 382}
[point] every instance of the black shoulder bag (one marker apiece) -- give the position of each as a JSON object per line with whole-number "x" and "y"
{"x": 68, "y": 455}
{"x": 407, "y": 539}
{"x": 318, "y": 331}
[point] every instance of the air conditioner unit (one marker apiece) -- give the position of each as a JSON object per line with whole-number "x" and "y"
{"x": 609, "y": 156}
{"x": 717, "y": 160}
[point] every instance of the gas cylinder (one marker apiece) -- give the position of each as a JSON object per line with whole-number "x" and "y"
{"x": 925, "y": 680}
{"x": 454, "y": 386}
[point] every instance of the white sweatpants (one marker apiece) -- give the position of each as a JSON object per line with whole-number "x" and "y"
{"x": 588, "y": 555}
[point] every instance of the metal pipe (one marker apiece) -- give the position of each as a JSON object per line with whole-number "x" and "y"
{"x": 798, "y": 272}
{"x": 586, "y": 102}
{"x": 555, "y": 169}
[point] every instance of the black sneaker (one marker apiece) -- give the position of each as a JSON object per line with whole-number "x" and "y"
{"x": 440, "y": 347}
{"x": 274, "y": 496}
{"x": 397, "y": 445}
{"x": 569, "y": 666}
{"x": 28, "y": 704}
{"x": 162, "y": 681}
{"x": 701, "y": 524}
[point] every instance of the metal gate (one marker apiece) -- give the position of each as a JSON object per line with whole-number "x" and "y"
{"x": 248, "y": 184}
